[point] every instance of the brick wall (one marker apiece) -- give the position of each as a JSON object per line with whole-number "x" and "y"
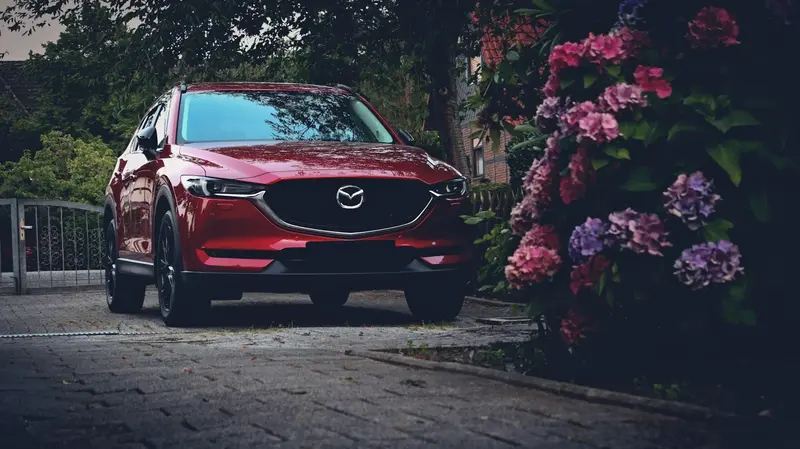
{"x": 495, "y": 168}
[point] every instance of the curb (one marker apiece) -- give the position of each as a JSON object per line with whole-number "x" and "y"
{"x": 595, "y": 395}
{"x": 493, "y": 302}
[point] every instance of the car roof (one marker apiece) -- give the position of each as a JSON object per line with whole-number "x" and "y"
{"x": 281, "y": 87}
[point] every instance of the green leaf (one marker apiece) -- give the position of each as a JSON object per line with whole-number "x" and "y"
{"x": 610, "y": 298}
{"x": 529, "y": 142}
{"x": 747, "y": 317}
{"x": 642, "y": 130}
{"x": 526, "y": 11}
{"x": 589, "y": 79}
{"x": 613, "y": 70}
{"x": 597, "y": 164}
{"x": 654, "y": 133}
{"x": 735, "y": 118}
{"x": 702, "y": 103}
{"x": 617, "y": 153}
{"x": 615, "y": 277}
{"x": 525, "y": 128}
{"x": 680, "y": 128}
{"x": 759, "y": 206}
{"x": 512, "y": 56}
{"x": 628, "y": 129}
{"x": 717, "y": 230}
{"x": 543, "y": 5}
{"x": 727, "y": 156}
{"x": 473, "y": 220}
{"x": 737, "y": 291}
{"x": 566, "y": 83}
{"x": 639, "y": 181}
{"x": 534, "y": 309}
{"x": 494, "y": 134}
{"x": 733, "y": 310}
{"x": 476, "y": 134}
{"x": 601, "y": 284}
{"x": 511, "y": 129}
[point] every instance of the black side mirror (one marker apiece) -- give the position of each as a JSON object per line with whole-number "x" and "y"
{"x": 147, "y": 139}
{"x": 407, "y": 138}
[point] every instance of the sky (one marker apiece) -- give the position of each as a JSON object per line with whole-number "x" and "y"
{"x": 18, "y": 45}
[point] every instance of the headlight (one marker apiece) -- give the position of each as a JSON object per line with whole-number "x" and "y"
{"x": 212, "y": 187}
{"x": 451, "y": 189}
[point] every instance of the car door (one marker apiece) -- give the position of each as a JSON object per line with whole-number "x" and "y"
{"x": 143, "y": 187}
{"x": 129, "y": 246}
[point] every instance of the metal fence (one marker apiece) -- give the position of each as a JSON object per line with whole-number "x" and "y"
{"x": 49, "y": 244}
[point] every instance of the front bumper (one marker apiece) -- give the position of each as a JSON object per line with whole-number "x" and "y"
{"x": 279, "y": 277}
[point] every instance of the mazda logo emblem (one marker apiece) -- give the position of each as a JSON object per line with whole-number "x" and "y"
{"x": 350, "y": 197}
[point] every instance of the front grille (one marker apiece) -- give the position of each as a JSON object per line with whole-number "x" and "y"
{"x": 312, "y": 203}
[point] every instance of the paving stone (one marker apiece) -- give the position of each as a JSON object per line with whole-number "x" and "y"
{"x": 242, "y": 385}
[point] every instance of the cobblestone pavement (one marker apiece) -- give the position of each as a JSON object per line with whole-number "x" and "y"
{"x": 82, "y": 311}
{"x": 85, "y": 393}
{"x": 242, "y": 384}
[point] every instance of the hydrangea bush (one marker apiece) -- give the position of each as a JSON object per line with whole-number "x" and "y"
{"x": 629, "y": 219}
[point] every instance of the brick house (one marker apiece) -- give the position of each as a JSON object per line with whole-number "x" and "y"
{"x": 486, "y": 165}
{"x": 17, "y": 85}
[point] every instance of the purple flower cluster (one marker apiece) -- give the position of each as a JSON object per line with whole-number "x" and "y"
{"x": 549, "y": 113}
{"x": 639, "y": 232}
{"x": 691, "y": 198}
{"x": 524, "y": 215}
{"x": 708, "y": 263}
{"x": 587, "y": 240}
{"x": 628, "y": 14}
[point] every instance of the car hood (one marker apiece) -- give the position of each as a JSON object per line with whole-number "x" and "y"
{"x": 267, "y": 162}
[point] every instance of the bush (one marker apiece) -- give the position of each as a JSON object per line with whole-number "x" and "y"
{"x": 648, "y": 224}
{"x": 520, "y": 156}
{"x": 64, "y": 168}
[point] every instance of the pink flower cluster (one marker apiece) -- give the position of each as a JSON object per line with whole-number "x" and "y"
{"x": 532, "y": 264}
{"x": 622, "y": 96}
{"x": 598, "y": 127}
{"x": 596, "y": 49}
{"x": 632, "y": 40}
{"x": 587, "y": 274}
{"x": 575, "y": 327}
{"x": 539, "y": 184}
{"x": 542, "y": 235}
{"x": 640, "y": 232}
{"x": 581, "y": 174}
{"x": 712, "y": 28}
{"x": 650, "y": 80}
{"x": 603, "y": 48}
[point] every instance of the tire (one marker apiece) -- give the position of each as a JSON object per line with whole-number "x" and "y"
{"x": 435, "y": 302}
{"x": 180, "y": 304}
{"x": 330, "y": 298}
{"x": 124, "y": 293}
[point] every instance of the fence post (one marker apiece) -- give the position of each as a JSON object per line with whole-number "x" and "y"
{"x": 15, "y": 247}
{"x": 22, "y": 253}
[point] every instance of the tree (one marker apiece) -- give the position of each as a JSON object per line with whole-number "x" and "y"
{"x": 64, "y": 168}
{"x": 90, "y": 79}
{"x": 336, "y": 38}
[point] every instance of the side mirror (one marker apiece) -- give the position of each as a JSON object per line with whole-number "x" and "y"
{"x": 407, "y": 138}
{"x": 147, "y": 142}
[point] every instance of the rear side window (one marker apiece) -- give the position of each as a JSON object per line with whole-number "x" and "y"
{"x": 275, "y": 115}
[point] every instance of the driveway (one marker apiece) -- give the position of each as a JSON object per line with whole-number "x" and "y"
{"x": 271, "y": 372}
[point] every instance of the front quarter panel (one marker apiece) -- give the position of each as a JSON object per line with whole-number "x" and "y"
{"x": 169, "y": 191}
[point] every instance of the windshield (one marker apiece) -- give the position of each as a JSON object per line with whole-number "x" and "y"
{"x": 276, "y": 115}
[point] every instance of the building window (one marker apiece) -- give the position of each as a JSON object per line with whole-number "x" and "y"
{"x": 473, "y": 65}
{"x": 477, "y": 156}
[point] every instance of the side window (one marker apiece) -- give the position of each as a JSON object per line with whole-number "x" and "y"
{"x": 161, "y": 125}
{"x": 148, "y": 120}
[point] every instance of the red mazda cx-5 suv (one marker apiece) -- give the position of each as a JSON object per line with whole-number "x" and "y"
{"x": 237, "y": 187}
